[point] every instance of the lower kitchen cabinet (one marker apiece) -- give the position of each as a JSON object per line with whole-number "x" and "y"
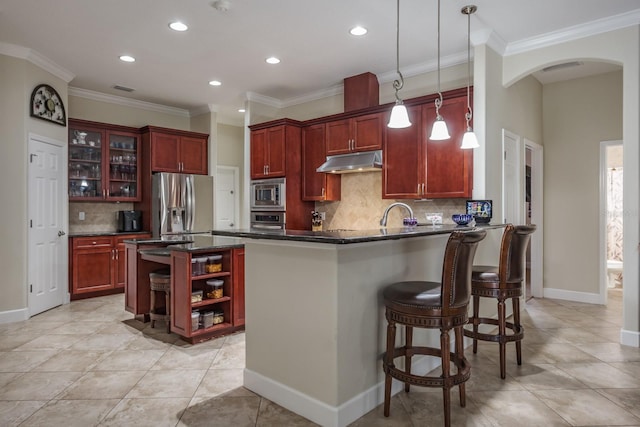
{"x": 97, "y": 265}
{"x": 197, "y": 312}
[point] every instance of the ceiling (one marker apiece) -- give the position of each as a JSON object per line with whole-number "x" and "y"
{"x": 84, "y": 39}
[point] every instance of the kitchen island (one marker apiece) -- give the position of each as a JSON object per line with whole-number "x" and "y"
{"x": 315, "y": 331}
{"x": 180, "y": 254}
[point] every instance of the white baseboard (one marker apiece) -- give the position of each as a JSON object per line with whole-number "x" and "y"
{"x": 320, "y": 412}
{"x": 630, "y": 338}
{"x": 11, "y": 316}
{"x": 585, "y": 297}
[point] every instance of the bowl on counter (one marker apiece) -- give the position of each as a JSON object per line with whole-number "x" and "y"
{"x": 462, "y": 219}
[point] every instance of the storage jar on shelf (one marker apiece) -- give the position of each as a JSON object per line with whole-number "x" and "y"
{"x": 215, "y": 288}
{"x": 214, "y": 264}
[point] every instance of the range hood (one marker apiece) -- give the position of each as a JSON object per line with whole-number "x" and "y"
{"x": 365, "y": 161}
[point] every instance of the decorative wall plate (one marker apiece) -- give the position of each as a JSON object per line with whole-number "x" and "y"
{"x": 46, "y": 104}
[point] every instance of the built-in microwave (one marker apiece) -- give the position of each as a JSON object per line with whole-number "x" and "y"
{"x": 268, "y": 195}
{"x": 269, "y": 220}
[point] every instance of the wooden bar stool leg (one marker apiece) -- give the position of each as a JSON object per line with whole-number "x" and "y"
{"x": 517, "y": 328}
{"x": 476, "y": 314}
{"x": 460, "y": 356}
{"x": 408, "y": 354}
{"x": 167, "y": 310}
{"x": 152, "y": 305}
{"x": 501, "y": 332}
{"x": 445, "y": 345}
{"x": 388, "y": 361}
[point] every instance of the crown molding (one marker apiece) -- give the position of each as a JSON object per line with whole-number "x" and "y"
{"x": 263, "y": 99}
{"x": 36, "y": 59}
{"x": 575, "y": 32}
{"x": 126, "y": 102}
{"x": 312, "y": 96}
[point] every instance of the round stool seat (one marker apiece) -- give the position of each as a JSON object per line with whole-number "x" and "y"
{"x": 160, "y": 281}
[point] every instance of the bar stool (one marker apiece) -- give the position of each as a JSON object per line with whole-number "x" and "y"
{"x": 502, "y": 282}
{"x": 434, "y": 305}
{"x": 160, "y": 281}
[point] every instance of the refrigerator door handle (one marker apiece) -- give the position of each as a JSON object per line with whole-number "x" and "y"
{"x": 190, "y": 203}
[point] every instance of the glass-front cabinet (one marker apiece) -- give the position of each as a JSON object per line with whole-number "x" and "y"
{"x": 104, "y": 162}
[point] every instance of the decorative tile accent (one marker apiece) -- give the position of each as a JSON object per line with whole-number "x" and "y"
{"x": 361, "y": 205}
{"x": 99, "y": 217}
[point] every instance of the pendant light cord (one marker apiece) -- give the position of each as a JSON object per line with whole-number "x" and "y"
{"x": 439, "y": 100}
{"x": 469, "y": 111}
{"x": 398, "y": 83}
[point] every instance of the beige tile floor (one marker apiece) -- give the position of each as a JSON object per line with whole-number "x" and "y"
{"x": 89, "y": 363}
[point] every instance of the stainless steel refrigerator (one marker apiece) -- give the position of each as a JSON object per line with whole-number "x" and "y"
{"x": 182, "y": 203}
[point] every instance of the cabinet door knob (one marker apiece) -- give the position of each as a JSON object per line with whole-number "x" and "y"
{"x": 61, "y": 233}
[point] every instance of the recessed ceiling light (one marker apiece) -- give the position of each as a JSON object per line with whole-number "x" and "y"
{"x": 215, "y": 83}
{"x": 272, "y": 60}
{"x": 358, "y": 31}
{"x": 127, "y": 58}
{"x": 178, "y": 26}
{"x": 241, "y": 110}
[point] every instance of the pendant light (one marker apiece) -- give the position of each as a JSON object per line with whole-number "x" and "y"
{"x": 399, "y": 117}
{"x": 439, "y": 130}
{"x": 469, "y": 139}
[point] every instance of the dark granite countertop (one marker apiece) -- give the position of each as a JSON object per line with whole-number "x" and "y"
{"x": 192, "y": 243}
{"x": 351, "y": 236}
{"x": 107, "y": 233}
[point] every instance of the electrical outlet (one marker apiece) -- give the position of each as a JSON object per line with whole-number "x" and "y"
{"x": 81, "y": 216}
{"x": 323, "y": 215}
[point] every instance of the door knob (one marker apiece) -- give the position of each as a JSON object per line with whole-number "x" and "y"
{"x": 61, "y": 233}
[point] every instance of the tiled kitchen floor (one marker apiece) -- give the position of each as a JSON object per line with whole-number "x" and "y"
{"x": 88, "y": 363}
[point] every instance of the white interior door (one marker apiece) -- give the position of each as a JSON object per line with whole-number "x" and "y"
{"x": 227, "y": 202}
{"x": 48, "y": 259}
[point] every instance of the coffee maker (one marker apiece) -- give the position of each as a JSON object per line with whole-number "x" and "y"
{"x": 129, "y": 221}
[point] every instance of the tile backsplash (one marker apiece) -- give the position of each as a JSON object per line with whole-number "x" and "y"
{"x": 361, "y": 205}
{"x": 99, "y": 217}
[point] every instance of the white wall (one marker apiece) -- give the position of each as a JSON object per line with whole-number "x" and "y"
{"x": 578, "y": 114}
{"x": 620, "y": 47}
{"x": 19, "y": 78}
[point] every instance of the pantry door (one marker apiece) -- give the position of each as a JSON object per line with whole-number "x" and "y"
{"x": 47, "y": 251}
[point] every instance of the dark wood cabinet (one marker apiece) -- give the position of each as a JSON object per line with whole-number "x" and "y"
{"x": 238, "y": 288}
{"x": 223, "y": 309}
{"x": 104, "y": 162}
{"x": 403, "y": 169}
{"x": 267, "y": 157}
{"x": 97, "y": 264}
{"x": 415, "y": 167}
{"x": 267, "y": 141}
{"x": 361, "y": 133}
{"x": 317, "y": 186}
{"x": 449, "y": 169}
{"x": 176, "y": 151}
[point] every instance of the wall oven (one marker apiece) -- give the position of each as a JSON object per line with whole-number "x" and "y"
{"x": 268, "y": 220}
{"x": 268, "y": 195}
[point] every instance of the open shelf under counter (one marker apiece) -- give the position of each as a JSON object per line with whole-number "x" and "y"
{"x": 207, "y": 302}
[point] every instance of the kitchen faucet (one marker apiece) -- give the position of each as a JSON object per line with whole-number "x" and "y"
{"x": 383, "y": 221}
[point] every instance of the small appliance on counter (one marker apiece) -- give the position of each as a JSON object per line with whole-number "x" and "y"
{"x": 129, "y": 221}
{"x": 482, "y": 210}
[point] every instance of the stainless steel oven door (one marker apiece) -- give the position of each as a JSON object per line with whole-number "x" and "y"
{"x": 268, "y": 194}
{"x": 268, "y": 220}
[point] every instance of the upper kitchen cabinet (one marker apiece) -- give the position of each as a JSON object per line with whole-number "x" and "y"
{"x": 403, "y": 168}
{"x": 104, "y": 162}
{"x": 177, "y": 151}
{"x": 415, "y": 167}
{"x": 449, "y": 171}
{"x": 362, "y": 133}
{"x": 274, "y": 145}
{"x": 317, "y": 186}
{"x": 268, "y": 152}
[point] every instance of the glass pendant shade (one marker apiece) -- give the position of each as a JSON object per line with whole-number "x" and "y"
{"x": 439, "y": 130}
{"x": 399, "y": 117}
{"x": 469, "y": 140}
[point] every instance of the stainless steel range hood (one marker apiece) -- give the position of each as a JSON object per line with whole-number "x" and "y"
{"x": 365, "y": 161}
